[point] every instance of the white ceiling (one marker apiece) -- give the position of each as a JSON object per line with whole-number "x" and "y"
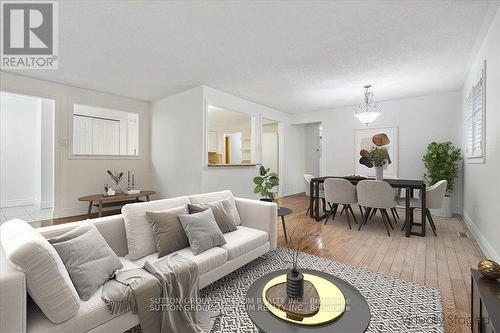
{"x": 293, "y": 56}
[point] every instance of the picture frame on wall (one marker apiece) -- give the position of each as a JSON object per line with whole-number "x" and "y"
{"x": 364, "y": 141}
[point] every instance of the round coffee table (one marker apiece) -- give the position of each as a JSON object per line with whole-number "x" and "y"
{"x": 284, "y": 211}
{"x": 356, "y": 318}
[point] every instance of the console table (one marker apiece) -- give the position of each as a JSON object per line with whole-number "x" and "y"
{"x": 101, "y": 201}
{"x": 485, "y": 304}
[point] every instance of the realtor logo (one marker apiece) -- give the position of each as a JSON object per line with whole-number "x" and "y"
{"x": 29, "y": 35}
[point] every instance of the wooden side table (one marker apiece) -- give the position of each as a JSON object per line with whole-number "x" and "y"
{"x": 100, "y": 201}
{"x": 282, "y": 212}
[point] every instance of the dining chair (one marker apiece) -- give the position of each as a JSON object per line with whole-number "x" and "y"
{"x": 340, "y": 191}
{"x": 434, "y": 198}
{"x": 307, "y": 178}
{"x": 376, "y": 194}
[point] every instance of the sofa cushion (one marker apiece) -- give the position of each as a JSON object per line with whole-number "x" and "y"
{"x": 140, "y": 238}
{"x": 202, "y": 231}
{"x": 47, "y": 280}
{"x": 224, "y": 212}
{"x": 206, "y": 261}
{"x": 91, "y": 313}
{"x": 89, "y": 260}
{"x": 243, "y": 240}
{"x": 168, "y": 231}
{"x": 216, "y": 196}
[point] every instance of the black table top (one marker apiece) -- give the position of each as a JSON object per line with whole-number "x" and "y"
{"x": 284, "y": 211}
{"x": 355, "y": 319}
{"x": 398, "y": 183}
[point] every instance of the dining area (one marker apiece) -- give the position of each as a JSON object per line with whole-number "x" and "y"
{"x": 372, "y": 196}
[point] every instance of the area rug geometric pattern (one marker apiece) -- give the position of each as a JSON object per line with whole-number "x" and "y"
{"x": 395, "y": 305}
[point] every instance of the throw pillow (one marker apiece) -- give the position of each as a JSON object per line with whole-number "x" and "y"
{"x": 168, "y": 231}
{"x": 215, "y": 196}
{"x": 202, "y": 231}
{"x": 47, "y": 280}
{"x": 89, "y": 260}
{"x": 223, "y": 212}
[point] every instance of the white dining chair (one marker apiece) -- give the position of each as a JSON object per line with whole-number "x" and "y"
{"x": 340, "y": 191}
{"x": 376, "y": 194}
{"x": 434, "y": 198}
{"x": 307, "y": 183}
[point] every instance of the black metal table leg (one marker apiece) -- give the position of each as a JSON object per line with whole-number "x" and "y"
{"x": 311, "y": 198}
{"x": 284, "y": 228}
{"x": 407, "y": 213}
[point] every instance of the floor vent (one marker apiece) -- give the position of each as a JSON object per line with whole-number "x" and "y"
{"x": 462, "y": 234}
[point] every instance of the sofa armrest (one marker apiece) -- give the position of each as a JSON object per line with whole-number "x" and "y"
{"x": 259, "y": 215}
{"x": 12, "y": 297}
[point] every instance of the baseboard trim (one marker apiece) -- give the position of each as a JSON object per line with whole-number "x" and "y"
{"x": 488, "y": 250}
{"x": 16, "y": 202}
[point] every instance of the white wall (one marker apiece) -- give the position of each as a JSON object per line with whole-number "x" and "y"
{"x": 20, "y": 137}
{"x": 178, "y": 121}
{"x": 77, "y": 177}
{"x": 420, "y": 120}
{"x": 177, "y": 143}
{"x": 481, "y": 181}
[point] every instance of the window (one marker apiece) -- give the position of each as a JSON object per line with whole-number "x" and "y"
{"x": 230, "y": 137}
{"x": 474, "y": 121}
{"x": 101, "y": 131}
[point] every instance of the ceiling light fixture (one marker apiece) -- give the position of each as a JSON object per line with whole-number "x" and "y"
{"x": 367, "y": 112}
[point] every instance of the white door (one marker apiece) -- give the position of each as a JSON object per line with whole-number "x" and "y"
{"x": 82, "y": 136}
{"x": 106, "y": 137}
{"x": 270, "y": 153}
{"x": 132, "y": 139}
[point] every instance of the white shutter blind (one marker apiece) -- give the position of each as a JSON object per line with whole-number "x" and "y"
{"x": 474, "y": 122}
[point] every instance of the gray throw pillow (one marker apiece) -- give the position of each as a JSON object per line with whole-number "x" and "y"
{"x": 88, "y": 259}
{"x": 202, "y": 231}
{"x": 168, "y": 231}
{"x": 223, "y": 211}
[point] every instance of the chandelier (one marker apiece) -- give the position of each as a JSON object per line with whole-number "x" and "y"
{"x": 367, "y": 112}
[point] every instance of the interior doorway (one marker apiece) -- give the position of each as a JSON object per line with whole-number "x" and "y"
{"x": 26, "y": 157}
{"x": 270, "y": 147}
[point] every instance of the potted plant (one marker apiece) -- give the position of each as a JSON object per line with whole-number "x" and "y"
{"x": 379, "y": 156}
{"x": 265, "y": 182}
{"x": 440, "y": 161}
{"x": 117, "y": 178}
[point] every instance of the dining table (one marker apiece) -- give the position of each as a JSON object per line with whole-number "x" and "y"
{"x": 410, "y": 186}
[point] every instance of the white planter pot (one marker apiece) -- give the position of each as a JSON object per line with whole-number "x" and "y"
{"x": 444, "y": 211}
{"x": 379, "y": 173}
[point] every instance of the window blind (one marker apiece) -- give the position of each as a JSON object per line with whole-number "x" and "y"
{"x": 474, "y": 122}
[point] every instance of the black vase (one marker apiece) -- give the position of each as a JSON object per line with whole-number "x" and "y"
{"x": 294, "y": 284}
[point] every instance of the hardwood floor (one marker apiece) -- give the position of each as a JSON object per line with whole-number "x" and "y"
{"x": 441, "y": 262}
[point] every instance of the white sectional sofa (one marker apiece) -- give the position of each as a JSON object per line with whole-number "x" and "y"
{"x": 255, "y": 236}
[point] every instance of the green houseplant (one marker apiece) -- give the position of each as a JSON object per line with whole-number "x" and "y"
{"x": 441, "y": 163}
{"x": 265, "y": 182}
{"x": 379, "y": 156}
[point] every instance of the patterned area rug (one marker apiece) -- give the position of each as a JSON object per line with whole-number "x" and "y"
{"x": 395, "y": 305}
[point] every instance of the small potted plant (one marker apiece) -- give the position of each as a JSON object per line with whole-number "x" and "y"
{"x": 441, "y": 163}
{"x": 379, "y": 156}
{"x": 117, "y": 178}
{"x": 265, "y": 182}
